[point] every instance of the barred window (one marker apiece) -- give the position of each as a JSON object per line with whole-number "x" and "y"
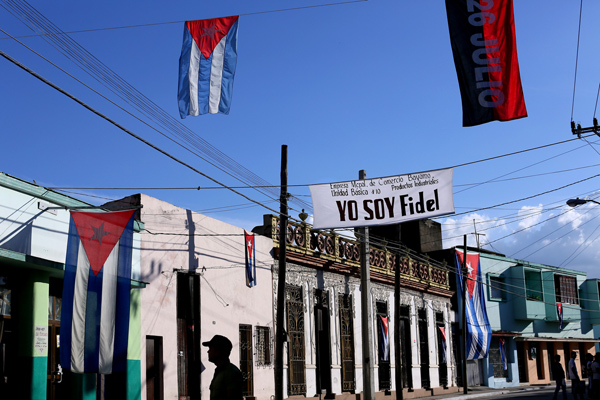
{"x": 566, "y": 289}
{"x": 263, "y": 346}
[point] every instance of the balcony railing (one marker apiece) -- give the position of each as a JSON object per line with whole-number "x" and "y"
{"x": 326, "y": 245}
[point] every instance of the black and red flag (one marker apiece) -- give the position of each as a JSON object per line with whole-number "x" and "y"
{"x": 482, "y": 33}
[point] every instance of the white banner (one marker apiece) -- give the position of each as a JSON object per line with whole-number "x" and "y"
{"x": 382, "y": 201}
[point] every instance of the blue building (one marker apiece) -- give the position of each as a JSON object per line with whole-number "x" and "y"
{"x": 521, "y": 300}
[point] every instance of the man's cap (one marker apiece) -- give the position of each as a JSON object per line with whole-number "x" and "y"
{"x": 219, "y": 342}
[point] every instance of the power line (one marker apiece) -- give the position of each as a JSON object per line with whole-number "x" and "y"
{"x": 576, "y": 59}
{"x": 113, "y": 82}
{"x": 183, "y": 21}
{"x": 125, "y": 129}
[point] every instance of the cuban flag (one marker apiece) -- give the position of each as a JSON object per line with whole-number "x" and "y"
{"x": 502, "y": 344}
{"x": 207, "y": 66}
{"x": 94, "y": 326}
{"x": 559, "y": 310}
{"x": 250, "y": 259}
{"x": 443, "y": 333}
{"x": 383, "y": 339}
{"x": 479, "y": 331}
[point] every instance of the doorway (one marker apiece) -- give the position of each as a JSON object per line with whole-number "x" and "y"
{"x": 154, "y": 367}
{"x": 323, "y": 342}
{"x": 57, "y": 380}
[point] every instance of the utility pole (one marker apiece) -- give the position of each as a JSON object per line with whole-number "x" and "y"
{"x": 464, "y": 318}
{"x": 365, "y": 296}
{"x": 398, "y": 345}
{"x": 280, "y": 332}
{"x": 477, "y": 234}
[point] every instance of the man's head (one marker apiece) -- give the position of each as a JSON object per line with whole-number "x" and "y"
{"x": 573, "y": 354}
{"x": 557, "y": 358}
{"x": 219, "y": 349}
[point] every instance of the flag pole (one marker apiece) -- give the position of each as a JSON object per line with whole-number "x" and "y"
{"x": 464, "y": 318}
{"x": 279, "y": 331}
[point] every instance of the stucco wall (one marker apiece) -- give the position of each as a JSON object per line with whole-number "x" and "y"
{"x": 216, "y": 252}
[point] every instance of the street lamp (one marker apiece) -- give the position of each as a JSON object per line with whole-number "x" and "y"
{"x": 577, "y": 202}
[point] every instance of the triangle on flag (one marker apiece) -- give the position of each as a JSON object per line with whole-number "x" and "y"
{"x": 207, "y": 33}
{"x": 99, "y": 233}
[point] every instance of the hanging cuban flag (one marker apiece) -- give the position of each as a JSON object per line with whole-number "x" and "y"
{"x": 443, "y": 333}
{"x": 479, "y": 331}
{"x": 207, "y": 66}
{"x": 94, "y": 328}
{"x": 502, "y": 344}
{"x": 484, "y": 45}
{"x": 559, "y": 310}
{"x": 383, "y": 339}
{"x": 250, "y": 259}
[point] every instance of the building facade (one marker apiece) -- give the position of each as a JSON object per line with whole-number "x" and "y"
{"x": 323, "y": 317}
{"x": 194, "y": 269}
{"x": 34, "y": 225}
{"x": 522, "y": 301}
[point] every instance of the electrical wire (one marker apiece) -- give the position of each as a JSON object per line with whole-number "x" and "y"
{"x": 6, "y": 56}
{"x": 183, "y": 21}
{"x": 576, "y": 58}
{"x": 112, "y": 81}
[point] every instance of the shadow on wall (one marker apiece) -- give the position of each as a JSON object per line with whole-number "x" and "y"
{"x": 20, "y": 239}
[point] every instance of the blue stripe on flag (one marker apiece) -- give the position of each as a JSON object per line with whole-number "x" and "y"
{"x": 92, "y": 320}
{"x": 67, "y": 297}
{"x": 184, "y": 66}
{"x": 229, "y": 64}
{"x": 204, "y": 83}
{"x": 123, "y": 298}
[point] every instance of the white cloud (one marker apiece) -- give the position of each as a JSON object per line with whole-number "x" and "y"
{"x": 530, "y": 215}
{"x": 570, "y": 239}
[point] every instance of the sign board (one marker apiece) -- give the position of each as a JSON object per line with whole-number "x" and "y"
{"x": 40, "y": 341}
{"x": 382, "y": 201}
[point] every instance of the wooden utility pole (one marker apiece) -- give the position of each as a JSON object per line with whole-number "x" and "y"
{"x": 365, "y": 297}
{"x": 398, "y": 345}
{"x": 280, "y": 332}
{"x": 464, "y": 318}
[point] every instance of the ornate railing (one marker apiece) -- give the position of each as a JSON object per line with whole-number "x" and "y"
{"x": 327, "y": 245}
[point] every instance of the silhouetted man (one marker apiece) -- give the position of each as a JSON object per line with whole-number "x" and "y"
{"x": 574, "y": 376}
{"x": 227, "y": 382}
{"x": 558, "y": 373}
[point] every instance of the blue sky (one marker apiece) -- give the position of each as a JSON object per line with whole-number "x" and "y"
{"x": 365, "y": 85}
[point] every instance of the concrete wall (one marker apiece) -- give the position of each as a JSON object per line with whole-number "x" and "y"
{"x": 217, "y": 254}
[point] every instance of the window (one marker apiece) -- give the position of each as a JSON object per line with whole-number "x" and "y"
{"x": 246, "y": 359}
{"x": 263, "y": 346}
{"x": 533, "y": 285}
{"x": 566, "y": 289}
{"x": 497, "y": 290}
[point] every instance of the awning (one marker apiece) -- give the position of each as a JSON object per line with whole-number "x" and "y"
{"x": 546, "y": 339}
{"x": 506, "y": 334}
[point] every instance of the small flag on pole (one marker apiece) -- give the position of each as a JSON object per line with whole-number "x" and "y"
{"x": 559, "y": 310}
{"x": 384, "y": 342}
{"x": 443, "y": 332}
{"x": 250, "y": 259}
{"x": 94, "y": 328}
{"x": 502, "y": 343}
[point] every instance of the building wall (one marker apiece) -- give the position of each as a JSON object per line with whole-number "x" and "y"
{"x": 539, "y": 324}
{"x": 216, "y": 253}
{"x": 335, "y": 284}
{"x": 34, "y": 227}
